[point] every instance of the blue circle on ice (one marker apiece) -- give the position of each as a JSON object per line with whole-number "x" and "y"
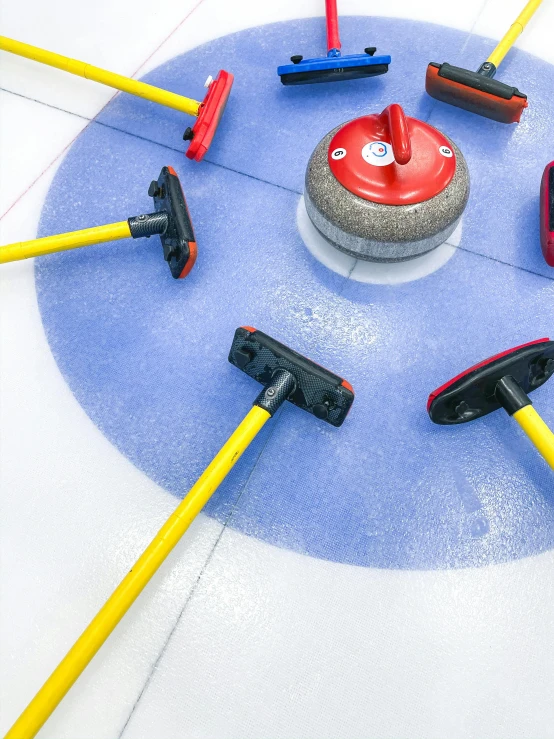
{"x": 146, "y": 356}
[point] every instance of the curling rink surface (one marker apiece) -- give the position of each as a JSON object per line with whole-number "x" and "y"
{"x": 385, "y": 580}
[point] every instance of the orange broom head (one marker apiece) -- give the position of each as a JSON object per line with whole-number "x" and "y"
{"x": 475, "y": 92}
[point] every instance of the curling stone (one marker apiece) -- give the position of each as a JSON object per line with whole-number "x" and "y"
{"x": 386, "y": 187}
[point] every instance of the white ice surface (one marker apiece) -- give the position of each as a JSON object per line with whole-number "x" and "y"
{"x": 271, "y": 644}
{"x": 31, "y": 136}
{"x": 274, "y": 644}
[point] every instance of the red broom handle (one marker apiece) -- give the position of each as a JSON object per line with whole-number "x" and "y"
{"x": 333, "y": 38}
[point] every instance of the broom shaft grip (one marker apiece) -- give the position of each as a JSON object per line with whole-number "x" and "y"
{"x": 516, "y": 29}
{"x": 90, "y": 72}
{"x": 537, "y": 431}
{"x": 63, "y": 242}
{"x": 333, "y": 38}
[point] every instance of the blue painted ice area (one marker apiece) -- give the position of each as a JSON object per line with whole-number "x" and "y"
{"x": 146, "y": 356}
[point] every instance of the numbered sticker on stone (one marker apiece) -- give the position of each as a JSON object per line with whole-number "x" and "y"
{"x": 338, "y": 153}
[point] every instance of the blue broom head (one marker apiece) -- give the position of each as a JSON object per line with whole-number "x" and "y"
{"x": 333, "y": 68}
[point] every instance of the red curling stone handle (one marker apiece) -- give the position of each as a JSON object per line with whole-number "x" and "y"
{"x": 395, "y": 120}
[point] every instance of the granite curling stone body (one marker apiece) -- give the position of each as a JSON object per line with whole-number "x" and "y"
{"x": 386, "y": 187}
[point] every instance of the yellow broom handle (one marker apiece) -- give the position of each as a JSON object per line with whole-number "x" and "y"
{"x": 117, "y": 605}
{"x": 537, "y": 430}
{"x": 513, "y": 34}
{"x": 62, "y": 242}
{"x": 81, "y": 69}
